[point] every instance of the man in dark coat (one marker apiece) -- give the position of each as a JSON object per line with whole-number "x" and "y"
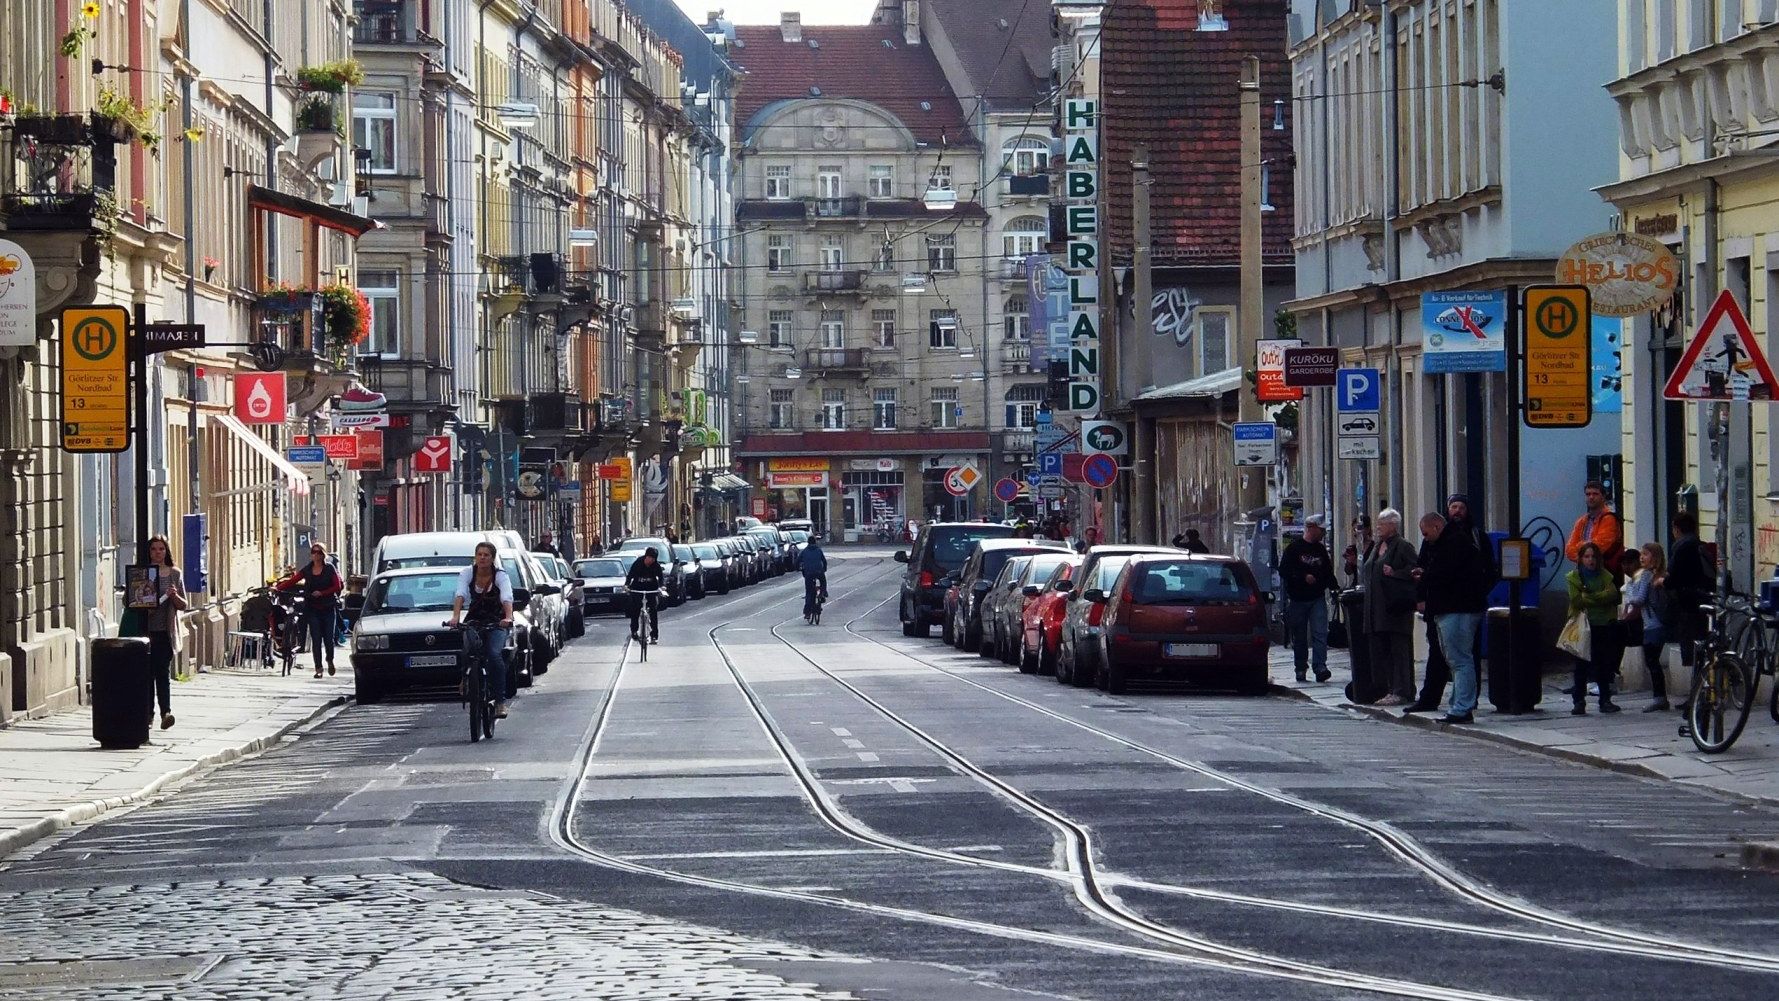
{"x": 1308, "y": 573}
{"x": 1687, "y": 584}
{"x": 1453, "y": 577}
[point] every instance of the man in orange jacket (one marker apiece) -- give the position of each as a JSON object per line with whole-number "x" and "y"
{"x": 1599, "y": 526}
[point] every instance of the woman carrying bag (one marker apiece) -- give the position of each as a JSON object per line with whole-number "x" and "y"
{"x": 162, "y": 623}
{"x": 1644, "y": 603}
{"x": 1593, "y": 609}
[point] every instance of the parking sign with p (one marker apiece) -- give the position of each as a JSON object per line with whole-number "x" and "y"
{"x": 1357, "y": 391}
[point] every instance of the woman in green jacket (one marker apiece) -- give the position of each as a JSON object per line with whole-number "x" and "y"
{"x": 1592, "y": 590}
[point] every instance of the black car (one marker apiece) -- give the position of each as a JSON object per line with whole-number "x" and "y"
{"x": 713, "y": 569}
{"x": 978, "y": 575}
{"x": 399, "y": 639}
{"x": 940, "y": 550}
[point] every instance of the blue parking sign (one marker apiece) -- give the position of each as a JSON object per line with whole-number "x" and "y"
{"x": 1050, "y": 463}
{"x": 1358, "y": 390}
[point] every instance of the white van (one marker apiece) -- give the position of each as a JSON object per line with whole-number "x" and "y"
{"x": 428, "y": 549}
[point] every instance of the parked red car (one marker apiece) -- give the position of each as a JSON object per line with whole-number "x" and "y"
{"x": 1195, "y": 618}
{"x": 1041, "y": 624}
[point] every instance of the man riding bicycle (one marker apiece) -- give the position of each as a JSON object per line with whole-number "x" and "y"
{"x": 814, "y": 564}
{"x": 647, "y": 575}
{"x": 487, "y": 593}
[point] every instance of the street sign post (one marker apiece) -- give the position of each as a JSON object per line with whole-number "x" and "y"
{"x": 310, "y": 458}
{"x": 1105, "y": 438}
{"x": 1050, "y": 463}
{"x": 1358, "y": 413}
{"x": 260, "y": 397}
{"x": 1006, "y": 490}
{"x": 1724, "y": 361}
{"x": 1558, "y": 358}
{"x": 434, "y": 455}
{"x": 96, "y": 380}
{"x": 1256, "y": 443}
{"x": 1269, "y": 364}
{"x": 1463, "y": 332}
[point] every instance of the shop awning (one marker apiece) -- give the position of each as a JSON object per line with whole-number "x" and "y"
{"x": 725, "y": 481}
{"x": 298, "y": 207}
{"x": 1215, "y": 384}
{"x": 296, "y": 479}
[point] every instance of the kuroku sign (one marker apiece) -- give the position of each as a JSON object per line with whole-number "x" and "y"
{"x": 1311, "y": 366}
{"x": 1081, "y": 229}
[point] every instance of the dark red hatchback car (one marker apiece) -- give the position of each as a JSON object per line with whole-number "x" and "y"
{"x": 1199, "y": 619}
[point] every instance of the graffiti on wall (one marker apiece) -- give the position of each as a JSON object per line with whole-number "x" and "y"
{"x": 1173, "y": 310}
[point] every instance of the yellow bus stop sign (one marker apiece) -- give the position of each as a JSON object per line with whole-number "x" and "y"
{"x": 96, "y": 379}
{"x": 1559, "y": 356}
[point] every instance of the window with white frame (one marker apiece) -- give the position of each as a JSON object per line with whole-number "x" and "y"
{"x": 942, "y": 252}
{"x": 778, "y": 328}
{"x": 944, "y": 406}
{"x": 1024, "y": 236}
{"x": 833, "y": 409}
{"x": 886, "y": 257}
{"x": 833, "y": 328}
{"x": 783, "y": 413}
{"x": 882, "y": 181}
{"x": 778, "y": 183}
{"x": 778, "y": 253}
{"x": 382, "y": 289}
{"x": 883, "y": 328}
{"x": 1025, "y": 155}
{"x": 373, "y": 129}
{"x": 942, "y": 328}
{"x": 883, "y": 408}
{"x": 1016, "y": 319}
{"x": 828, "y": 183}
{"x": 831, "y": 253}
{"x": 1022, "y": 405}
{"x": 940, "y": 178}
{"x": 1214, "y": 327}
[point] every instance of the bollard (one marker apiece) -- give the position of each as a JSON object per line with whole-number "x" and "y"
{"x": 122, "y": 693}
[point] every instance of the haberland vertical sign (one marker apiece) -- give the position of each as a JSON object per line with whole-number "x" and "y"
{"x": 1081, "y": 228}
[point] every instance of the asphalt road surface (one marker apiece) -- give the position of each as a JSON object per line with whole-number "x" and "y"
{"x": 767, "y": 809}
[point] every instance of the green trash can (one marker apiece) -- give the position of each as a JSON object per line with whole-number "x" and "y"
{"x": 122, "y": 692}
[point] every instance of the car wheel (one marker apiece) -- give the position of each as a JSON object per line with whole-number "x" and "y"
{"x": 1046, "y": 659}
{"x": 366, "y": 691}
{"x": 1257, "y": 681}
{"x": 1028, "y": 664}
{"x": 1013, "y": 648}
{"x": 1065, "y": 664}
{"x": 967, "y": 642}
{"x": 1080, "y": 675}
{"x": 988, "y": 646}
{"x": 1110, "y": 676}
{"x": 527, "y": 671}
{"x": 948, "y": 631}
{"x": 539, "y": 660}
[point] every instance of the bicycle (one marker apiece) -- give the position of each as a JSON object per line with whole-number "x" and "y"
{"x": 812, "y": 609}
{"x": 644, "y": 628}
{"x": 1723, "y": 687}
{"x": 476, "y": 696}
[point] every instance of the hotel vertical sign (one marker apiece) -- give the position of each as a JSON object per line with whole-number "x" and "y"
{"x": 1081, "y": 229}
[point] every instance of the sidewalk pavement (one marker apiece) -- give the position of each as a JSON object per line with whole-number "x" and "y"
{"x": 54, "y": 774}
{"x": 1632, "y": 742}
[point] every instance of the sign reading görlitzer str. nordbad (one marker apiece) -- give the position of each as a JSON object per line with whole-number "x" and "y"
{"x": 1559, "y": 358}
{"x": 95, "y": 379}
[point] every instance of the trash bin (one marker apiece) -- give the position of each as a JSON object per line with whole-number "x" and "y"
{"x": 122, "y": 692}
{"x": 1516, "y": 676}
{"x": 1362, "y": 689}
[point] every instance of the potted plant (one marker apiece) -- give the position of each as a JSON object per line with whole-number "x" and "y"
{"x": 346, "y": 314}
{"x": 317, "y": 114}
{"x": 54, "y": 129}
{"x": 331, "y": 78}
{"x": 210, "y": 266}
{"x": 118, "y": 118}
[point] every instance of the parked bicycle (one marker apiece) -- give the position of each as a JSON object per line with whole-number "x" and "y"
{"x": 1737, "y": 650}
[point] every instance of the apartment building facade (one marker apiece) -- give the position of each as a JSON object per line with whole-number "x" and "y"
{"x": 865, "y": 347}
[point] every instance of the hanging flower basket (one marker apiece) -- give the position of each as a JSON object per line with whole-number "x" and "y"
{"x": 345, "y": 312}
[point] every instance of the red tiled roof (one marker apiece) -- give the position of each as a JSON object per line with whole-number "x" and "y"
{"x": 849, "y": 61}
{"x": 871, "y": 443}
{"x": 1174, "y": 88}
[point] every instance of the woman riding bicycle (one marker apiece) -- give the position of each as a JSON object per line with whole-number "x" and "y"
{"x": 488, "y": 594}
{"x": 645, "y": 575}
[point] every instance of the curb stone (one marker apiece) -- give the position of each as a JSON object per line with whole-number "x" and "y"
{"x": 19, "y": 837}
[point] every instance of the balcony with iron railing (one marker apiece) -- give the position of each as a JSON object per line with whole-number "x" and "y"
{"x": 837, "y": 360}
{"x": 387, "y": 22}
{"x": 59, "y": 173}
{"x": 843, "y": 280}
{"x": 410, "y": 384}
{"x": 1016, "y": 356}
{"x": 1028, "y": 185}
{"x": 844, "y": 207}
{"x": 1018, "y": 441}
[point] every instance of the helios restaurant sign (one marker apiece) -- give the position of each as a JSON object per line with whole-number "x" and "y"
{"x": 1081, "y": 227}
{"x": 1625, "y": 273}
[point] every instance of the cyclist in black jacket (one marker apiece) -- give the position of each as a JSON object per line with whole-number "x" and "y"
{"x": 814, "y": 564}
{"x": 645, "y": 575}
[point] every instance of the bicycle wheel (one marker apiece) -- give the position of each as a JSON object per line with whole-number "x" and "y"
{"x": 488, "y": 718}
{"x": 1773, "y": 698}
{"x": 1721, "y": 700}
{"x": 642, "y": 643}
{"x": 473, "y": 683}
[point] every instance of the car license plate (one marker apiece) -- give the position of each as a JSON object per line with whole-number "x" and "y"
{"x": 440, "y": 660}
{"x": 1190, "y": 649}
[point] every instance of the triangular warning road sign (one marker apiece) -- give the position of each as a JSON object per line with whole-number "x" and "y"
{"x": 1724, "y": 361}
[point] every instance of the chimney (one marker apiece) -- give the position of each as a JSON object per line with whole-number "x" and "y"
{"x": 911, "y": 21}
{"x": 790, "y": 25}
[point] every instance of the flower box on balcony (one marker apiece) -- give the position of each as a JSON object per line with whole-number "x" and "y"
{"x": 57, "y": 130}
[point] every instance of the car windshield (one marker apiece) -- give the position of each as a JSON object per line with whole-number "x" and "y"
{"x": 1011, "y": 566}
{"x": 434, "y": 560}
{"x": 599, "y": 568}
{"x": 799, "y": 536}
{"x": 1107, "y": 571}
{"x": 994, "y": 561}
{"x": 706, "y": 552}
{"x": 511, "y": 565}
{"x": 1040, "y": 568}
{"x": 952, "y": 543}
{"x": 683, "y": 553}
{"x": 1191, "y": 582}
{"x": 430, "y": 592}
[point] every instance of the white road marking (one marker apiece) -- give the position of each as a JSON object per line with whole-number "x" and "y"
{"x": 840, "y": 731}
{"x": 766, "y": 853}
{"x": 853, "y": 743}
{"x": 867, "y": 756}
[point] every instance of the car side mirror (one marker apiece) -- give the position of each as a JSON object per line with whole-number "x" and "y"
{"x": 1030, "y": 589}
{"x": 901, "y": 556}
{"x": 521, "y": 598}
{"x": 1065, "y": 586}
{"x": 1094, "y": 595}
{"x": 353, "y": 603}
